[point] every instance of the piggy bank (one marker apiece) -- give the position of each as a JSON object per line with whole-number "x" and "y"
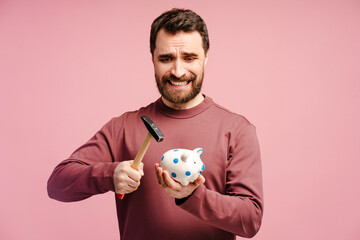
{"x": 183, "y": 165}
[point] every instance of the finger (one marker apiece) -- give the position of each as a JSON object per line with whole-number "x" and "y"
{"x": 124, "y": 170}
{"x": 200, "y": 180}
{"x": 123, "y": 189}
{"x": 133, "y": 184}
{"x": 159, "y": 174}
{"x": 128, "y": 184}
{"x": 134, "y": 174}
{"x": 171, "y": 183}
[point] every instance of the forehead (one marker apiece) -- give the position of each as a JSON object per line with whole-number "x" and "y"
{"x": 183, "y": 41}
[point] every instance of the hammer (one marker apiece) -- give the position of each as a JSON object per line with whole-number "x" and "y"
{"x": 154, "y": 132}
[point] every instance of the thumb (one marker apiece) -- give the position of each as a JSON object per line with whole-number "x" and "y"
{"x": 141, "y": 169}
{"x": 200, "y": 180}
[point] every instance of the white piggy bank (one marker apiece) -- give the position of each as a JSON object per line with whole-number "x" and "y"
{"x": 183, "y": 165}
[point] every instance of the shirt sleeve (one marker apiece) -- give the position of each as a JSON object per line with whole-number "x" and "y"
{"x": 240, "y": 210}
{"x": 88, "y": 171}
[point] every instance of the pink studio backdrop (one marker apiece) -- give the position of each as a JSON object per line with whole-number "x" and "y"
{"x": 291, "y": 67}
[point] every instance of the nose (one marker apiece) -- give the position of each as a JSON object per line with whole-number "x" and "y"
{"x": 178, "y": 69}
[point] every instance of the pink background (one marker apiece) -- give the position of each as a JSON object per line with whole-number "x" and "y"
{"x": 291, "y": 67}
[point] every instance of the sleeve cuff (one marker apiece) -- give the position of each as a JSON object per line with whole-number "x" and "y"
{"x": 195, "y": 195}
{"x": 109, "y": 176}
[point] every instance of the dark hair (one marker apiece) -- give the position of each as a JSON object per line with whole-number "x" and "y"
{"x": 177, "y": 20}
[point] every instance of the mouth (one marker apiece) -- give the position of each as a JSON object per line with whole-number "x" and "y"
{"x": 179, "y": 83}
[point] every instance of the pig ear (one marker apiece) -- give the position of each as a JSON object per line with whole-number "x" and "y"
{"x": 199, "y": 151}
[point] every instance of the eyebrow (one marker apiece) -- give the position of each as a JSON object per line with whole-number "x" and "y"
{"x": 169, "y": 55}
{"x": 166, "y": 55}
{"x": 190, "y": 54}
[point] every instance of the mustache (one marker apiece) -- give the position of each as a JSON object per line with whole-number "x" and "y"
{"x": 170, "y": 77}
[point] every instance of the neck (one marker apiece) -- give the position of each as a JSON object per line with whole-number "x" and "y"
{"x": 182, "y": 106}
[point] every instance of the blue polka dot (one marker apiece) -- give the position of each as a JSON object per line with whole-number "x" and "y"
{"x": 175, "y": 150}
{"x": 173, "y": 175}
{"x": 188, "y": 173}
{"x": 200, "y": 172}
{"x": 176, "y": 160}
{"x": 203, "y": 167}
{"x": 162, "y": 158}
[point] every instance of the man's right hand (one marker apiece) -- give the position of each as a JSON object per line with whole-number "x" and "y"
{"x": 126, "y": 178}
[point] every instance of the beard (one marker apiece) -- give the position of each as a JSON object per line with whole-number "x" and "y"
{"x": 179, "y": 96}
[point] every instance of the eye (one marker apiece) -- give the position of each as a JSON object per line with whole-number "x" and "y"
{"x": 165, "y": 59}
{"x": 189, "y": 59}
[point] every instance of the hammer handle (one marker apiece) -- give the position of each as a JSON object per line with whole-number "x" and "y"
{"x": 139, "y": 156}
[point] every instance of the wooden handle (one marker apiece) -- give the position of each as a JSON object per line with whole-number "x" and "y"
{"x": 139, "y": 156}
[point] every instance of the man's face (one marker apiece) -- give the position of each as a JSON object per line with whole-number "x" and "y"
{"x": 179, "y": 62}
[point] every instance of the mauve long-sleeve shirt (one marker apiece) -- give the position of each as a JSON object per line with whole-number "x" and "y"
{"x": 229, "y": 203}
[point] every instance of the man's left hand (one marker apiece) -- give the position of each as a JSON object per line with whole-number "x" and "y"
{"x": 174, "y": 188}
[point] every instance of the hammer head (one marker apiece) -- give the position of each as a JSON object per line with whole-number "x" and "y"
{"x": 152, "y": 128}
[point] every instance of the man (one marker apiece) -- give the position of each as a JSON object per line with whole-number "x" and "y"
{"x": 227, "y": 204}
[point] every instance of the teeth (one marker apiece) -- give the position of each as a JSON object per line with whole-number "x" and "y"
{"x": 179, "y": 83}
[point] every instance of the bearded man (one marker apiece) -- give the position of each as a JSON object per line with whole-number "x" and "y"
{"x": 228, "y": 203}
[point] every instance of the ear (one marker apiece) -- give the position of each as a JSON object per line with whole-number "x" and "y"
{"x": 199, "y": 151}
{"x": 206, "y": 59}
